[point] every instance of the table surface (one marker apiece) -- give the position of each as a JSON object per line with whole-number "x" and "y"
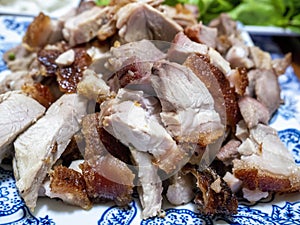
{"x": 290, "y": 44}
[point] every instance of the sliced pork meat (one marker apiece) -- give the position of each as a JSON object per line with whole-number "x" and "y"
{"x": 150, "y": 185}
{"x": 261, "y": 59}
{"x": 224, "y": 24}
{"x": 84, "y": 26}
{"x": 108, "y": 179}
{"x": 229, "y": 151}
{"x": 227, "y": 28}
{"x": 241, "y": 131}
{"x": 234, "y": 183}
{"x": 202, "y": 34}
{"x": 182, "y": 47}
{"x": 213, "y": 195}
{"x": 139, "y": 51}
{"x": 225, "y": 99}
{"x": 69, "y": 186}
{"x": 90, "y": 129}
{"x": 180, "y": 191}
{"x": 130, "y": 65}
{"x": 280, "y": 65}
{"x": 18, "y": 111}
{"x": 133, "y": 76}
{"x": 267, "y": 89}
{"x": 133, "y": 124}
{"x": 38, "y": 148}
{"x": 187, "y": 106}
{"x": 137, "y": 21}
{"x": 270, "y": 167}
{"x": 15, "y": 80}
{"x": 253, "y": 111}
{"x": 238, "y": 56}
{"x": 183, "y": 15}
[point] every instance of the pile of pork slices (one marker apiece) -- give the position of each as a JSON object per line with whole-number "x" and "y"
{"x": 94, "y": 110}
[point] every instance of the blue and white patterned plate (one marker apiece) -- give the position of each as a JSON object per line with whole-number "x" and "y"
{"x": 277, "y": 209}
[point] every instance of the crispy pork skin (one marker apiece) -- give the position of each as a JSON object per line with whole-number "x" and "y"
{"x": 137, "y": 21}
{"x": 38, "y": 148}
{"x": 67, "y": 68}
{"x": 69, "y": 185}
{"x": 213, "y": 195}
{"x": 108, "y": 179}
{"x": 42, "y": 31}
{"x": 99, "y": 142}
{"x": 17, "y": 111}
{"x": 187, "y": 106}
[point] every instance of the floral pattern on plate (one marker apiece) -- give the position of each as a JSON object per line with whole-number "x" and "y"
{"x": 278, "y": 209}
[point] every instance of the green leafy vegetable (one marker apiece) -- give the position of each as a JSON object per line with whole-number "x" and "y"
{"x": 281, "y": 13}
{"x": 102, "y": 2}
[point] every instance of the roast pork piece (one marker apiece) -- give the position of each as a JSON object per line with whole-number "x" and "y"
{"x": 188, "y": 110}
{"x": 137, "y": 21}
{"x": 133, "y": 52}
{"x": 266, "y": 164}
{"x": 265, "y": 86}
{"x": 131, "y": 118}
{"x": 253, "y": 111}
{"x": 213, "y": 195}
{"x": 69, "y": 185}
{"x": 42, "y": 31}
{"x": 150, "y": 187}
{"x": 17, "y": 112}
{"x": 84, "y": 26}
{"x": 107, "y": 177}
{"x": 38, "y": 148}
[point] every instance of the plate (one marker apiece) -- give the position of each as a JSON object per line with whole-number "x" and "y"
{"x": 269, "y": 30}
{"x": 53, "y": 8}
{"x": 276, "y": 209}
